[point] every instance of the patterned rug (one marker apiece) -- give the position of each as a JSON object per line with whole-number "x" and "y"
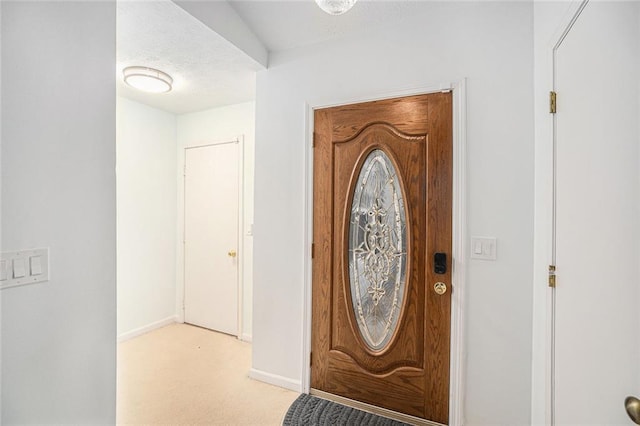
{"x": 309, "y": 410}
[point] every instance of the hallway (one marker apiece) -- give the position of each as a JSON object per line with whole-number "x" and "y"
{"x": 181, "y": 374}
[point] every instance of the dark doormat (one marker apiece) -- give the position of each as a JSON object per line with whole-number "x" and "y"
{"x": 310, "y": 410}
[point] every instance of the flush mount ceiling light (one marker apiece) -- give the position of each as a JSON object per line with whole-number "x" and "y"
{"x": 147, "y": 79}
{"x": 335, "y": 7}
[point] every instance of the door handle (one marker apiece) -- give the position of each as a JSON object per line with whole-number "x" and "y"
{"x": 632, "y": 405}
{"x": 232, "y": 253}
{"x": 440, "y": 263}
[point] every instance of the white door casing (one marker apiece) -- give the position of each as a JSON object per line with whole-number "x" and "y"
{"x": 459, "y": 246}
{"x": 211, "y": 201}
{"x": 594, "y": 340}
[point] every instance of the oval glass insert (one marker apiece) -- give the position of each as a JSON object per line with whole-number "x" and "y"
{"x": 377, "y": 250}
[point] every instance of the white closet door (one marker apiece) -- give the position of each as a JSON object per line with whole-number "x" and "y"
{"x": 598, "y": 216}
{"x": 211, "y": 237}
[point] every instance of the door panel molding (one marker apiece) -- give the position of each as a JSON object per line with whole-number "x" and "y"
{"x": 459, "y": 237}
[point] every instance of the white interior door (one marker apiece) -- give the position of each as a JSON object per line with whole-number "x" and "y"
{"x": 211, "y": 237}
{"x": 597, "y": 356}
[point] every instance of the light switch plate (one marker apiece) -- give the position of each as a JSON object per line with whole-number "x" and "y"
{"x": 4, "y": 274}
{"x": 485, "y": 248}
{"x": 32, "y": 264}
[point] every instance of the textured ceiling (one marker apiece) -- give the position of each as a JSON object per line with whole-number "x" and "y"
{"x": 207, "y": 70}
{"x": 282, "y": 25}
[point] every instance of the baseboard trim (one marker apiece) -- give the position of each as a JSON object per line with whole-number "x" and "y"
{"x": 246, "y": 337}
{"x": 276, "y": 380}
{"x": 147, "y": 328}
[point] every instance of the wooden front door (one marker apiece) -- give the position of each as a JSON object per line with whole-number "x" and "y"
{"x": 382, "y": 246}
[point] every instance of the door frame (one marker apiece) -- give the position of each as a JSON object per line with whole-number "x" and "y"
{"x": 551, "y": 300}
{"x": 459, "y": 234}
{"x": 543, "y": 341}
{"x": 180, "y": 273}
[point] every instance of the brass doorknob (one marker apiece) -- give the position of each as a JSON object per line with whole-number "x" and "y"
{"x": 632, "y": 404}
{"x": 232, "y": 253}
{"x": 440, "y": 288}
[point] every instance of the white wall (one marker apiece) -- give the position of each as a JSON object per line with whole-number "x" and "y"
{"x": 58, "y": 191}
{"x": 637, "y": 394}
{"x": 1, "y": 209}
{"x": 147, "y": 209}
{"x": 218, "y": 125}
{"x": 150, "y": 160}
{"x": 490, "y": 44}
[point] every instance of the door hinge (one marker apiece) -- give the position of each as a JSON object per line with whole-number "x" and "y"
{"x": 184, "y": 171}
{"x": 310, "y": 359}
{"x": 313, "y": 140}
{"x": 552, "y": 102}
{"x": 552, "y": 276}
{"x": 313, "y": 250}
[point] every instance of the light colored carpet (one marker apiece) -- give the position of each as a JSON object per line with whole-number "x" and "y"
{"x": 185, "y": 375}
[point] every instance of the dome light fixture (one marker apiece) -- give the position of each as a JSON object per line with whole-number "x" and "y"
{"x": 336, "y": 7}
{"x": 147, "y": 79}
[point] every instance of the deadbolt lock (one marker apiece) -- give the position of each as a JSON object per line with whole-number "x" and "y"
{"x": 440, "y": 288}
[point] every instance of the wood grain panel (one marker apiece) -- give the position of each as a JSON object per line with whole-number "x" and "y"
{"x": 322, "y": 260}
{"x": 407, "y": 154}
{"x": 440, "y": 184}
{"x": 405, "y": 388}
{"x": 409, "y": 115}
{"x": 411, "y": 374}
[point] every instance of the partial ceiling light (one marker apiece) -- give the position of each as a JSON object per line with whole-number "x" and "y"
{"x": 147, "y": 79}
{"x": 336, "y": 7}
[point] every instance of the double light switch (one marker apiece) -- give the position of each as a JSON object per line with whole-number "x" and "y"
{"x": 484, "y": 248}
